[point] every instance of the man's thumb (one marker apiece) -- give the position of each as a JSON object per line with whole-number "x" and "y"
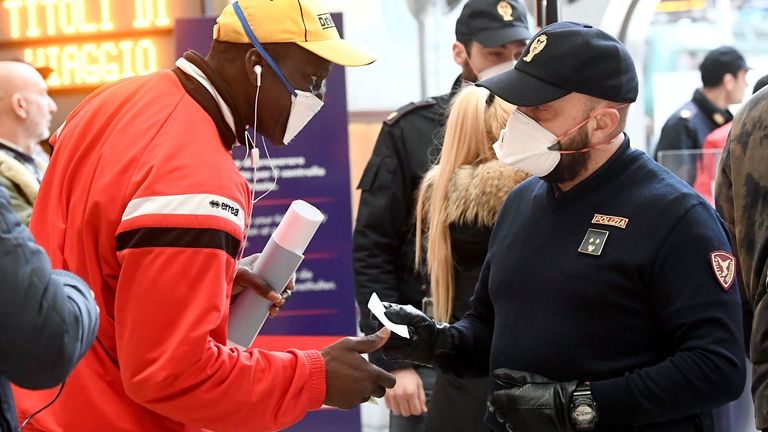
{"x": 372, "y": 342}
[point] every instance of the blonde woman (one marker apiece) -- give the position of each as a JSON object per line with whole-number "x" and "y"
{"x": 456, "y": 208}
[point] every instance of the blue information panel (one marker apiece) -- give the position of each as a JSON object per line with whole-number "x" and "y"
{"x": 314, "y": 168}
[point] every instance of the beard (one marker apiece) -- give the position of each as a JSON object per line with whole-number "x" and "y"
{"x": 573, "y": 164}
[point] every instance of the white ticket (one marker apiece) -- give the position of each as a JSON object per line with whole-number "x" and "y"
{"x": 377, "y": 308}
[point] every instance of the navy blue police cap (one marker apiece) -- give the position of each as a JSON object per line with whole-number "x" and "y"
{"x": 567, "y": 57}
{"x": 493, "y": 23}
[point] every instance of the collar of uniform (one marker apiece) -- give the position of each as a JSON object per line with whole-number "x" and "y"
{"x": 715, "y": 114}
{"x": 611, "y": 169}
{"x": 203, "y": 97}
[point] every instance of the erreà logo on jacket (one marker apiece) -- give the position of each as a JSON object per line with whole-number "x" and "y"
{"x": 226, "y": 207}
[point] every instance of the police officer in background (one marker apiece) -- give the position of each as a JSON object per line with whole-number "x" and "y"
{"x": 607, "y": 300}
{"x": 490, "y": 36}
{"x": 723, "y": 78}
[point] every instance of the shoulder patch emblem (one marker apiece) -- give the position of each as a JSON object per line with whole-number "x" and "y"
{"x": 724, "y": 266}
{"x": 686, "y": 113}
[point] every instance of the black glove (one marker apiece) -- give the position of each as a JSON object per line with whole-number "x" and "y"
{"x": 531, "y": 403}
{"x": 428, "y": 340}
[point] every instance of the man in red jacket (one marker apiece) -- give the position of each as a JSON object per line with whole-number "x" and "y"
{"x": 143, "y": 200}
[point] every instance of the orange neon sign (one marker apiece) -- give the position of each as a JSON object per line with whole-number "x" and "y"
{"x": 91, "y": 42}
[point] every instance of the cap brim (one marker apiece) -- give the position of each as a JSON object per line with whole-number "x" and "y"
{"x": 521, "y": 89}
{"x": 339, "y": 51}
{"x": 502, "y": 36}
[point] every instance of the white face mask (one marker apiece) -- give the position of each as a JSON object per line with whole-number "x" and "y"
{"x": 304, "y": 106}
{"x": 526, "y": 145}
{"x": 496, "y": 70}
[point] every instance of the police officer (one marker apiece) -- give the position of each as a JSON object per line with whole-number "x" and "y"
{"x": 607, "y": 300}
{"x": 490, "y": 35}
{"x": 723, "y": 78}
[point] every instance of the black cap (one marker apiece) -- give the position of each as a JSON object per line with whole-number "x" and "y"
{"x": 567, "y": 57}
{"x": 719, "y": 62}
{"x": 493, "y": 23}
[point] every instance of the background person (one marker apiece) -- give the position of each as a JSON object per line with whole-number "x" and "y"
{"x": 127, "y": 203}
{"x": 455, "y": 211}
{"x": 26, "y": 111}
{"x": 713, "y": 145}
{"x": 741, "y": 198}
{"x": 48, "y": 318}
{"x": 490, "y": 35}
{"x": 723, "y": 78}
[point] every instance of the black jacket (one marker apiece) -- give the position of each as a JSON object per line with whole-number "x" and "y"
{"x": 383, "y": 242}
{"x": 687, "y": 129}
{"x": 48, "y": 319}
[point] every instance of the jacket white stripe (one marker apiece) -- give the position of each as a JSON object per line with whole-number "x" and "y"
{"x": 191, "y": 204}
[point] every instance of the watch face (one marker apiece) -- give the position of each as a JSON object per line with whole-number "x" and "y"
{"x": 583, "y": 414}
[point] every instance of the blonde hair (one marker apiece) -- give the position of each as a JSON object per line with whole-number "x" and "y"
{"x": 475, "y": 119}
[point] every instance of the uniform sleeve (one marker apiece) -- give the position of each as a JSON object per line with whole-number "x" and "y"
{"x": 677, "y": 134}
{"x": 177, "y": 253}
{"x": 383, "y": 221}
{"x": 48, "y": 319}
{"x": 703, "y": 323}
{"x": 472, "y": 334}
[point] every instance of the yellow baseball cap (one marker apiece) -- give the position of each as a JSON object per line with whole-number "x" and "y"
{"x": 304, "y": 22}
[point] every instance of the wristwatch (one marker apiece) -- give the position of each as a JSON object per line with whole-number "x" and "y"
{"x": 583, "y": 408}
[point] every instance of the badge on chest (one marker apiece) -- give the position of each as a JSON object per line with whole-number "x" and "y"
{"x": 594, "y": 242}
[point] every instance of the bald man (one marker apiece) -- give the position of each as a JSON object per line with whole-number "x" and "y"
{"x": 25, "y": 120}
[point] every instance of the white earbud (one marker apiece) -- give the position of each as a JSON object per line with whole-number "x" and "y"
{"x": 257, "y": 69}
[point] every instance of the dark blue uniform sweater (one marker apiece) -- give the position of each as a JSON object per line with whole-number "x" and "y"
{"x": 646, "y": 321}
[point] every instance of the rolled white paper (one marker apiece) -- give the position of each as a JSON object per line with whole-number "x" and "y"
{"x": 279, "y": 260}
{"x": 298, "y": 226}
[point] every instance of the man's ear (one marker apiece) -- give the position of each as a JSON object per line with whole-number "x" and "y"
{"x": 460, "y": 54}
{"x": 604, "y": 123}
{"x": 254, "y": 58}
{"x": 19, "y": 105}
{"x": 729, "y": 81}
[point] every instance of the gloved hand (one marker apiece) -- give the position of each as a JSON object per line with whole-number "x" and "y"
{"x": 428, "y": 339}
{"x": 531, "y": 403}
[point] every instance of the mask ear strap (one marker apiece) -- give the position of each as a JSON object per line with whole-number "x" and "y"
{"x": 260, "y": 47}
{"x": 557, "y": 147}
{"x": 583, "y": 122}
